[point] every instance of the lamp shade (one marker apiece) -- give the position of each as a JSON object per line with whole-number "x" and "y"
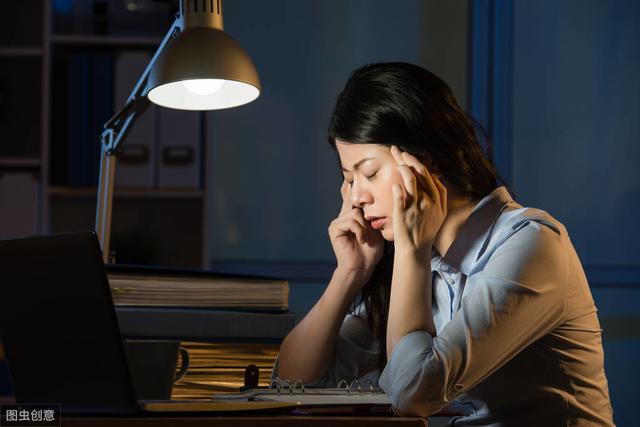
{"x": 203, "y": 68}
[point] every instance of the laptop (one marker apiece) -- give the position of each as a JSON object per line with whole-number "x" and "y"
{"x": 60, "y": 333}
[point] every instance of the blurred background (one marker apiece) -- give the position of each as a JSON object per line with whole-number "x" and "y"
{"x": 253, "y": 189}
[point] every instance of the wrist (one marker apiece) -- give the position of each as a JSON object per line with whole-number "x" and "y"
{"x": 420, "y": 255}
{"x": 342, "y": 290}
{"x": 350, "y": 278}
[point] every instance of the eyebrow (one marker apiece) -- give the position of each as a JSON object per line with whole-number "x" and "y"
{"x": 357, "y": 165}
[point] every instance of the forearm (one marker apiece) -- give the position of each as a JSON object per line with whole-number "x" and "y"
{"x": 410, "y": 302}
{"x": 307, "y": 350}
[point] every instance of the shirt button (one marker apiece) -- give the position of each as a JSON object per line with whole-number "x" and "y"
{"x": 450, "y": 281}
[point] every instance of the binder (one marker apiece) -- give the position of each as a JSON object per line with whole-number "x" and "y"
{"x": 101, "y": 110}
{"x": 79, "y": 119}
{"x": 137, "y": 160}
{"x": 18, "y": 204}
{"x": 345, "y": 397}
{"x": 179, "y": 146}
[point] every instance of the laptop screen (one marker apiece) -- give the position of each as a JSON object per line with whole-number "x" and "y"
{"x": 58, "y": 325}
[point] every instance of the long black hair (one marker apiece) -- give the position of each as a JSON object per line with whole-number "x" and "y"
{"x": 405, "y": 105}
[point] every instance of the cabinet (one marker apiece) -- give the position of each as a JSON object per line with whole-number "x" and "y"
{"x": 64, "y": 66}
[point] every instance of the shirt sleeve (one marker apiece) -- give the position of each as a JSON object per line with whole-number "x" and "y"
{"x": 518, "y": 298}
{"x": 354, "y": 357}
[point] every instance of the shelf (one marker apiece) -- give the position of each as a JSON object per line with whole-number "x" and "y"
{"x": 94, "y": 40}
{"x": 19, "y": 162}
{"x": 21, "y": 51}
{"x": 142, "y": 193}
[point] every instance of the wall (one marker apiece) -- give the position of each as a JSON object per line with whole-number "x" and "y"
{"x": 575, "y": 153}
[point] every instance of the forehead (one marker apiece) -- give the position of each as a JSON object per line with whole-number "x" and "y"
{"x": 351, "y": 154}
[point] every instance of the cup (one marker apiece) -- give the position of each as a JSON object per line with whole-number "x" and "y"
{"x": 153, "y": 365}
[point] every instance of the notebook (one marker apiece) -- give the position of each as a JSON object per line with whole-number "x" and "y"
{"x": 311, "y": 397}
{"x": 352, "y": 396}
{"x": 60, "y": 332}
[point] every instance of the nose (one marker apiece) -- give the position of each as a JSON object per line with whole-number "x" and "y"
{"x": 359, "y": 195}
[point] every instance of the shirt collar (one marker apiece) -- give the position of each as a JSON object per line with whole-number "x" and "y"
{"x": 470, "y": 242}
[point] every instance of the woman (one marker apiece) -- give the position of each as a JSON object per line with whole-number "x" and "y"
{"x": 445, "y": 287}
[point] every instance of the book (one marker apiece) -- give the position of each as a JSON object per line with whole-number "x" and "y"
{"x": 101, "y": 110}
{"x": 90, "y": 105}
{"x": 220, "y": 367}
{"x": 154, "y": 287}
{"x": 203, "y": 324}
{"x": 79, "y": 119}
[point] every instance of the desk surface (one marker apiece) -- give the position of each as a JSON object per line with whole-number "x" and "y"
{"x": 245, "y": 421}
{"x": 258, "y": 421}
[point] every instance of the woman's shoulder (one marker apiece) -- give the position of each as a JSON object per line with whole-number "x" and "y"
{"x": 515, "y": 217}
{"x": 531, "y": 227}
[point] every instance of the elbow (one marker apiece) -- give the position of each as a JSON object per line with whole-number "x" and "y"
{"x": 292, "y": 371}
{"x": 421, "y": 402}
{"x": 417, "y": 392}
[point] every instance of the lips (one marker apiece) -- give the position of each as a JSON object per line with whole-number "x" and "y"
{"x": 377, "y": 222}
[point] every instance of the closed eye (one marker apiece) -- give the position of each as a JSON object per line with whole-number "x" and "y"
{"x": 372, "y": 175}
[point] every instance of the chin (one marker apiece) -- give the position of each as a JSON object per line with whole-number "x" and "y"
{"x": 387, "y": 235}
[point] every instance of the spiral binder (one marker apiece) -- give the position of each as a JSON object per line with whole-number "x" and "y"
{"x": 345, "y": 394}
{"x": 281, "y": 386}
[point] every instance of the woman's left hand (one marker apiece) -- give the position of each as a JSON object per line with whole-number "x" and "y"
{"x": 418, "y": 214}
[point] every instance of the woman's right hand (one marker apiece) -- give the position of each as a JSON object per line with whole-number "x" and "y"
{"x": 358, "y": 247}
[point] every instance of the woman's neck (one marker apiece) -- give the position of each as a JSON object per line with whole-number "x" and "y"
{"x": 458, "y": 211}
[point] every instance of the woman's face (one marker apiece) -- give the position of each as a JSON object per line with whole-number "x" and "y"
{"x": 370, "y": 170}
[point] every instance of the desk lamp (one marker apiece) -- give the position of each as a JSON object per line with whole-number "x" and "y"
{"x": 196, "y": 67}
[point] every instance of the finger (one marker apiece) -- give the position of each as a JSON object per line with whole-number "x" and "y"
{"x": 356, "y": 228}
{"x": 356, "y": 214}
{"x": 400, "y": 232}
{"x": 397, "y": 154}
{"x": 409, "y": 179}
{"x": 347, "y": 226}
{"x": 345, "y": 191}
{"x": 422, "y": 173}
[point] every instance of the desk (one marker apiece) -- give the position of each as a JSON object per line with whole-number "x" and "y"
{"x": 244, "y": 421}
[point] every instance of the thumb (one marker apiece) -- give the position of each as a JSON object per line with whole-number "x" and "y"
{"x": 400, "y": 232}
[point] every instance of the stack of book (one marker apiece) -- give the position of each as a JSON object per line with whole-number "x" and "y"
{"x": 216, "y": 368}
{"x": 226, "y": 322}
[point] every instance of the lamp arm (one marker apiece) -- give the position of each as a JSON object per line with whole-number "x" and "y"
{"x": 137, "y": 103}
{"x": 115, "y": 132}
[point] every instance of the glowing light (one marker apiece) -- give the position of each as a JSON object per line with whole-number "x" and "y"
{"x": 203, "y": 87}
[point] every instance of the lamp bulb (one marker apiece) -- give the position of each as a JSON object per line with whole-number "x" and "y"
{"x": 203, "y": 87}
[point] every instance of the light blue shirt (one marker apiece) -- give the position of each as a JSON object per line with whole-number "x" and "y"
{"x": 518, "y": 339}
